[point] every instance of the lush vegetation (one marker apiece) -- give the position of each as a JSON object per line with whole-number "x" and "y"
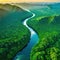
{"x": 47, "y": 26}
{"x": 14, "y": 36}
{"x": 48, "y": 31}
{"x": 48, "y": 48}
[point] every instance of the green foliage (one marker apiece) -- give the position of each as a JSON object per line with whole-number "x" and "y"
{"x": 14, "y": 36}
{"x": 48, "y": 29}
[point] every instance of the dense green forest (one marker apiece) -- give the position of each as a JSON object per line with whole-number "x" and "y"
{"x": 14, "y": 36}
{"x": 49, "y": 33}
{"x": 47, "y": 26}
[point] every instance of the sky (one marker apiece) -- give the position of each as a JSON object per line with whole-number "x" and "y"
{"x": 7, "y": 1}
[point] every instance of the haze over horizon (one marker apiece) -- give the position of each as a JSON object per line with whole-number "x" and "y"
{"x": 19, "y": 1}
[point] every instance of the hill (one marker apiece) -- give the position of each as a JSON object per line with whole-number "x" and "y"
{"x": 47, "y": 26}
{"x": 14, "y": 36}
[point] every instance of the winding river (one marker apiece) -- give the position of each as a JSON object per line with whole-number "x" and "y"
{"x": 25, "y": 53}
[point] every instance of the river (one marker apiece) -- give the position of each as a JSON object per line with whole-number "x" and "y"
{"x": 25, "y": 53}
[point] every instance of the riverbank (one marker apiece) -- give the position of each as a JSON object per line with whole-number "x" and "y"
{"x": 14, "y": 36}
{"x": 25, "y": 53}
{"x": 47, "y": 25}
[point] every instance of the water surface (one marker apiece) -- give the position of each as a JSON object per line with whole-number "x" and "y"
{"x": 25, "y": 53}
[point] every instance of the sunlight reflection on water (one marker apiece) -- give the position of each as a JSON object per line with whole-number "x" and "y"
{"x": 25, "y": 53}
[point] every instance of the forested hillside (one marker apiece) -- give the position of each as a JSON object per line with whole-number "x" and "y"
{"x": 14, "y": 36}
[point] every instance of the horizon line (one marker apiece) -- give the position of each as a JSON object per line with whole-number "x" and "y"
{"x": 30, "y": 2}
